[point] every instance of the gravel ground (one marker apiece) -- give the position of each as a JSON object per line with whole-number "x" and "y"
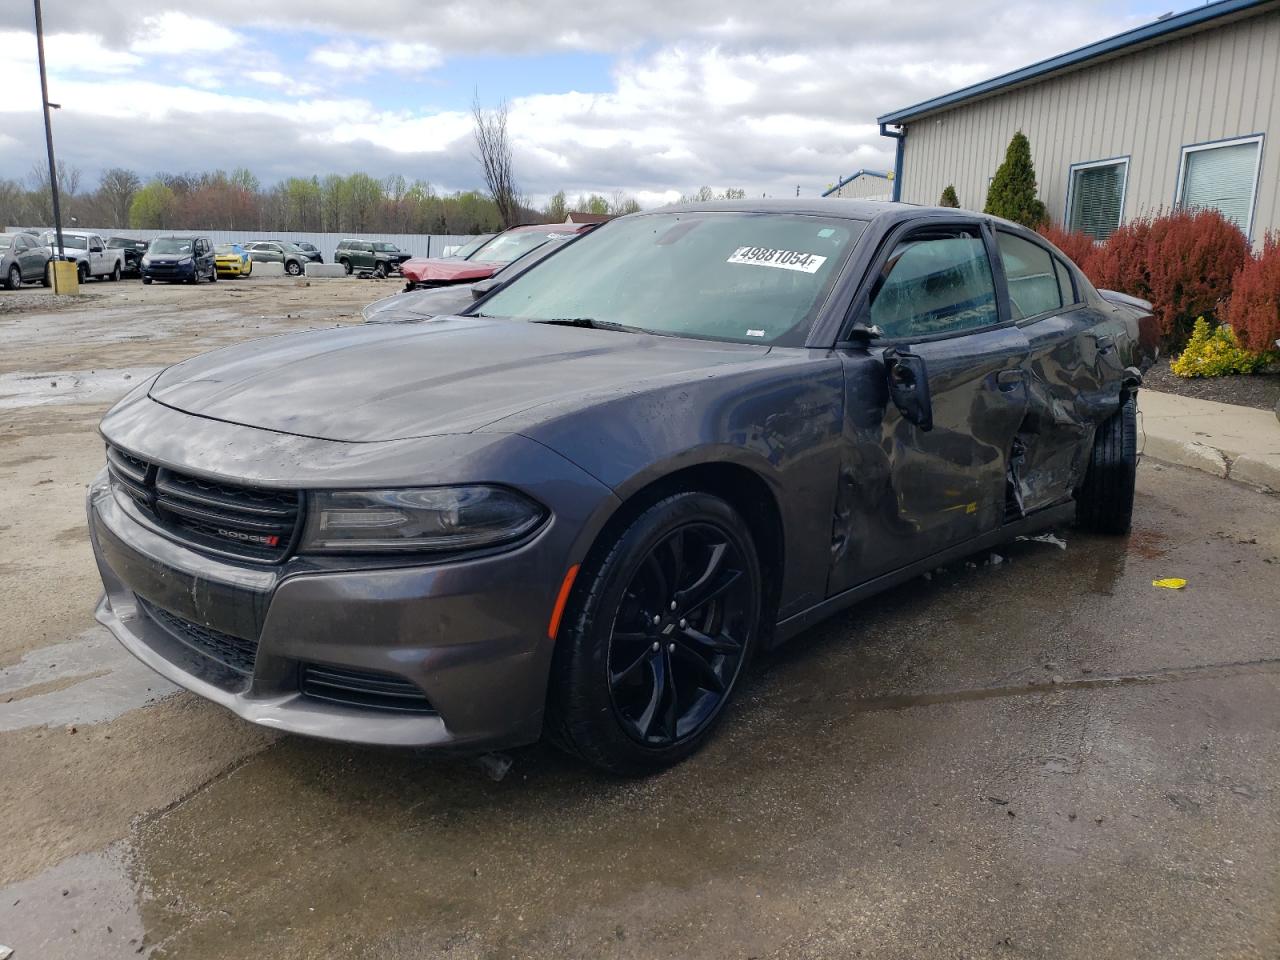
{"x": 1259, "y": 390}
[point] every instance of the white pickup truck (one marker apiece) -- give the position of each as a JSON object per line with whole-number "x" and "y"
{"x": 93, "y": 257}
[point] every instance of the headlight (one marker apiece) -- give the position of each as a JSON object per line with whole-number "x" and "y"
{"x": 184, "y": 260}
{"x": 425, "y": 520}
{"x": 146, "y": 260}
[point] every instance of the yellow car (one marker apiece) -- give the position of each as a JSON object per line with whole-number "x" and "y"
{"x": 232, "y": 260}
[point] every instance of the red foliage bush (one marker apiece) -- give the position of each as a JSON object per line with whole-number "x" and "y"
{"x": 1183, "y": 262}
{"x": 1254, "y": 308}
{"x": 1192, "y": 256}
{"x": 1079, "y": 247}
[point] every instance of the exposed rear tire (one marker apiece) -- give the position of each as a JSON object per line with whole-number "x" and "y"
{"x": 1104, "y": 502}
{"x": 83, "y": 271}
{"x": 115, "y": 273}
{"x": 660, "y": 627}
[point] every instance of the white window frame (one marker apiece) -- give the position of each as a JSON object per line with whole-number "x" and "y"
{"x": 1087, "y": 164}
{"x": 1213, "y": 145}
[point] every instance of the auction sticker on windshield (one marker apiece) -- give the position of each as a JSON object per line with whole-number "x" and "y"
{"x": 782, "y": 259}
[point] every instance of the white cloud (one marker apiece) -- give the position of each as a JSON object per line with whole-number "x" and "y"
{"x": 174, "y": 33}
{"x": 363, "y": 59}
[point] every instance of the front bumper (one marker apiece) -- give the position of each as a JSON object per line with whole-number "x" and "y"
{"x": 471, "y": 635}
{"x": 230, "y": 268}
{"x": 163, "y": 271}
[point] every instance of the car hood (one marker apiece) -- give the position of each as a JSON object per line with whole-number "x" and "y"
{"x": 423, "y": 270}
{"x": 452, "y": 375}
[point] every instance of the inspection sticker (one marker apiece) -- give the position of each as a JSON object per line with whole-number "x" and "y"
{"x": 782, "y": 259}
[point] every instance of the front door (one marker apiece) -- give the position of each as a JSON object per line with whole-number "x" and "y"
{"x": 907, "y": 492}
{"x": 1074, "y": 373}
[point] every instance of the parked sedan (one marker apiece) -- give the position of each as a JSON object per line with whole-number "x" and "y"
{"x": 22, "y": 260}
{"x": 414, "y": 305}
{"x": 311, "y": 250}
{"x": 484, "y": 260}
{"x": 585, "y": 504}
{"x": 232, "y": 260}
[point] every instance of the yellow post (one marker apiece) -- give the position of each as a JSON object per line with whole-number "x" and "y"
{"x": 65, "y": 278}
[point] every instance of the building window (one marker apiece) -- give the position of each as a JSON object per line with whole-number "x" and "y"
{"x": 1095, "y": 196}
{"x": 1222, "y": 176}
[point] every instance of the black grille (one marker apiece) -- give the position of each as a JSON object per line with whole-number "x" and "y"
{"x": 248, "y": 523}
{"x": 361, "y": 688}
{"x": 235, "y": 653}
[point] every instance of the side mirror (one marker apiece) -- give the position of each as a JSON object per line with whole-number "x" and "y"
{"x": 909, "y": 386}
{"x": 484, "y": 288}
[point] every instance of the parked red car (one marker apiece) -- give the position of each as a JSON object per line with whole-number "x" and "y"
{"x": 486, "y": 259}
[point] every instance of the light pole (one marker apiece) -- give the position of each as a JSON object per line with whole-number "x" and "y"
{"x": 48, "y": 132}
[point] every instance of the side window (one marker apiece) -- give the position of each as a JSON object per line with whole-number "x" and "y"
{"x": 20, "y": 242}
{"x": 936, "y": 282}
{"x": 1033, "y": 281}
{"x": 1065, "y": 287}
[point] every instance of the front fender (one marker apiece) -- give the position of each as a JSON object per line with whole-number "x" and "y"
{"x": 779, "y": 418}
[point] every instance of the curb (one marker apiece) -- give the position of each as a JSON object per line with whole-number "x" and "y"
{"x": 1261, "y": 471}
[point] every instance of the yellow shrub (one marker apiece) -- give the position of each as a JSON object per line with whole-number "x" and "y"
{"x": 1215, "y": 353}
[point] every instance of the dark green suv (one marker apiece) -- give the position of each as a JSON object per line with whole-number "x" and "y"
{"x": 370, "y": 256}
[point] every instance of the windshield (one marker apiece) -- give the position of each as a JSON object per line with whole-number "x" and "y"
{"x": 744, "y": 277}
{"x": 171, "y": 245}
{"x": 386, "y": 247}
{"x": 226, "y": 248}
{"x": 69, "y": 241}
{"x": 465, "y": 251}
{"x": 505, "y": 247}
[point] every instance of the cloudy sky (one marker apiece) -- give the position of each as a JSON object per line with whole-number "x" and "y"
{"x": 654, "y": 97}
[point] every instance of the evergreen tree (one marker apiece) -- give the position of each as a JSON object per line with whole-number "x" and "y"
{"x": 949, "y": 198}
{"x": 1013, "y": 190}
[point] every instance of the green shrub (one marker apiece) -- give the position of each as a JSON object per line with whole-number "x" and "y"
{"x": 949, "y": 197}
{"x": 1215, "y": 353}
{"x": 1012, "y": 194}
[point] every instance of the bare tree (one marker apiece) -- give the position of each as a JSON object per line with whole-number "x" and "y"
{"x": 494, "y": 145}
{"x": 116, "y": 190}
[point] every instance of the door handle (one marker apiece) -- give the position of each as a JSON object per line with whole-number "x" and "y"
{"x": 1008, "y": 380}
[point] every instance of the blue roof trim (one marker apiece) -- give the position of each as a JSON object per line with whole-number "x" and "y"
{"x": 883, "y": 175}
{"x": 1115, "y": 44}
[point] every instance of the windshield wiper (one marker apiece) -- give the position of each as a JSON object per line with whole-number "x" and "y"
{"x": 593, "y": 324}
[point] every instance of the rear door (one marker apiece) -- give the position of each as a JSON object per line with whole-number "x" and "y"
{"x": 1073, "y": 372}
{"x": 907, "y": 492}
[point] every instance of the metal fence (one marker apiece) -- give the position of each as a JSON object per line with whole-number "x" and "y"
{"x": 418, "y": 244}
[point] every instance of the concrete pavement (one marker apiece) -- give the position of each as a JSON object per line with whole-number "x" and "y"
{"x": 1219, "y": 438}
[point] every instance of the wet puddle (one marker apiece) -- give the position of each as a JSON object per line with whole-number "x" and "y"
{"x": 90, "y": 679}
{"x": 84, "y": 386}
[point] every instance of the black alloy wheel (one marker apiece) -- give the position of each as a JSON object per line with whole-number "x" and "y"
{"x": 656, "y": 636}
{"x": 679, "y": 637}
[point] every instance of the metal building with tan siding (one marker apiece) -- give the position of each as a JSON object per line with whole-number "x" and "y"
{"x": 864, "y": 185}
{"x": 1182, "y": 111}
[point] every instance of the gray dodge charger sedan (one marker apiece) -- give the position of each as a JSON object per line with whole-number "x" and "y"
{"x": 582, "y": 506}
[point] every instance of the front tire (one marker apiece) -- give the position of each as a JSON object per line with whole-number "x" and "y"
{"x": 293, "y": 268}
{"x": 346, "y": 265}
{"x": 1104, "y": 502}
{"x": 14, "y": 279}
{"x": 659, "y": 630}
{"x": 146, "y": 281}
{"x": 380, "y": 271}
